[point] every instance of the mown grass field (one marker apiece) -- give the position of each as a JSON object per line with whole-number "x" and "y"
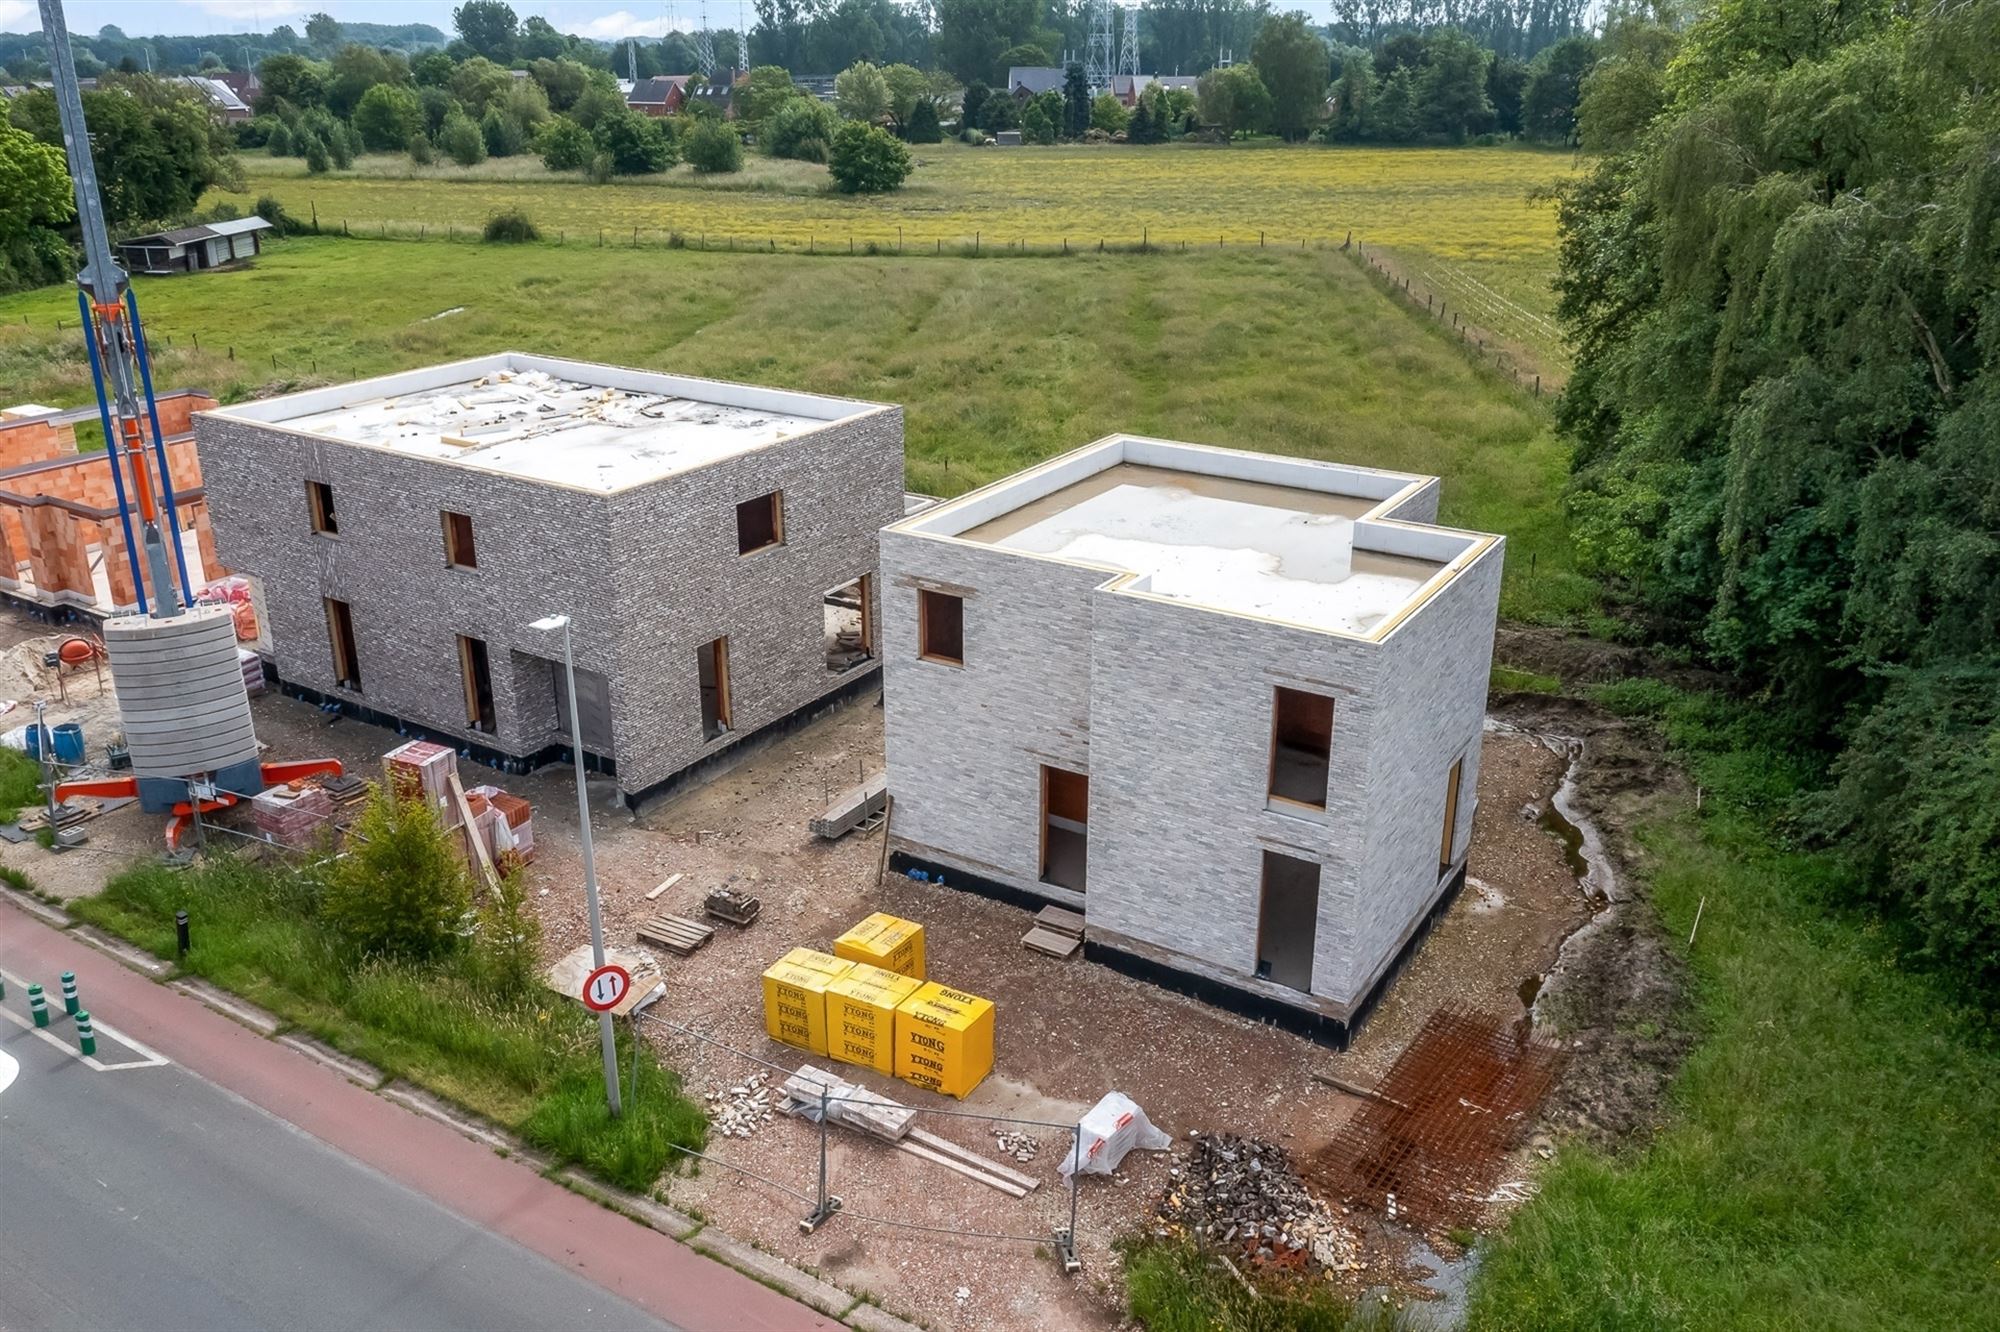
{"x": 1465, "y": 211}
{"x": 999, "y": 362}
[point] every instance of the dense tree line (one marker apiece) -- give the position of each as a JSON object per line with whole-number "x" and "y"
{"x": 1783, "y": 285}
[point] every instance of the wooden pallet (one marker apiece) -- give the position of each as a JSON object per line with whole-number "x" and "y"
{"x": 1057, "y": 931}
{"x": 852, "y": 807}
{"x": 676, "y": 934}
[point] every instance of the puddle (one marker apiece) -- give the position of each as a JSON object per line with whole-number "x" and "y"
{"x": 1552, "y": 821}
{"x": 1531, "y": 986}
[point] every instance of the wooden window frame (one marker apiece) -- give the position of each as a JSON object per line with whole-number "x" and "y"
{"x": 459, "y": 552}
{"x": 927, "y": 598}
{"x": 473, "y": 654}
{"x": 1271, "y": 794}
{"x": 776, "y": 500}
{"x": 341, "y": 640}
{"x": 320, "y": 510}
{"x": 1453, "y": 781}
{"x": 725, "y": 712}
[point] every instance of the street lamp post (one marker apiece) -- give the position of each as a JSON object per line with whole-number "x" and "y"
{"x": 610, "y": 1042}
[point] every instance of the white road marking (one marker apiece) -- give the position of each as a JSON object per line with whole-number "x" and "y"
{"x": 9, "y": 1070}
{"x": 150, "y": 1058}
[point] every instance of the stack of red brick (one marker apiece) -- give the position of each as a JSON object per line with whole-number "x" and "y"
{"x": 291, "y": 815}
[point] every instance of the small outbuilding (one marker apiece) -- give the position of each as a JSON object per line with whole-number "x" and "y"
{"x": 190, "y": 249}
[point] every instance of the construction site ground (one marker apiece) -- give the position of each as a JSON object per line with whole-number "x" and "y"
{"x": 1067, "y": 1031}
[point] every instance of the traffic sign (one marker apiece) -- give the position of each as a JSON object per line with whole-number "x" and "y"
{"x": 604, "y": 988}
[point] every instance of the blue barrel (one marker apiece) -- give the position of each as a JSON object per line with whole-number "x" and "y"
{"x": 69, "y": 743}
{"x": 34, "y": 741}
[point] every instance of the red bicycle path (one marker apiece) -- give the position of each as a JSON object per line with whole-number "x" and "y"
{"x": 665, "y": 1278}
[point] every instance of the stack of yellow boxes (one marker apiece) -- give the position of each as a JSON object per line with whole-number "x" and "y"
{"x": 795, "y": 997}
{"x": 861, "y": 1015}
{"x": 885, "y": 941}
{"x": 944, "y": 1040}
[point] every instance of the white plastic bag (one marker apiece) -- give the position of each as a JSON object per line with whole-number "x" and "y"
{"x": 1111, "y": 1128}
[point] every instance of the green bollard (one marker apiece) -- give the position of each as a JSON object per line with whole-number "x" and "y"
{"x": 38, "y": 1006}
{"x": 71, "y": 1004}
{"x": 84, "y": 1035}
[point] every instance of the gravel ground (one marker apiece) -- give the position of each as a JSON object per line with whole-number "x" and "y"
{"x": 1066, "y": 1031}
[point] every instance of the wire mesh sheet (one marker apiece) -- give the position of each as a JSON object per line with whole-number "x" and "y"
{"x": 1454, "y": 1103}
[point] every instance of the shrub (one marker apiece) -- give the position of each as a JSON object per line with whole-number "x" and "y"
{"x": 461, "y": 141}
{"x": 511, "y": 226}
{"x": 713, "y": 148}
{"x": 1036, "y": 127}
{"x": 502, "y": 133}
{"x": 867, "y": 160}
{"x": 20, "y": 783}
{"x": 387, "y": 116}
{"x": 800, "y": 129}
{"x": 314, "y": 151}
{"x": 400, "y": 890}
{"x": 636, "y": 144}
{"x": 923, "y": 126}
{"x": 279, "y": 142}
{"x": 340, "y": 145}
{"x": 510, "y": 935}
{"x": 564, "y": 145}
{"x": 282, "y": 222}
{"x": 421, "y": 151}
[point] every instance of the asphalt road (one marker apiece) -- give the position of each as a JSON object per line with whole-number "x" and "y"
{"x": 144, "y": 1196}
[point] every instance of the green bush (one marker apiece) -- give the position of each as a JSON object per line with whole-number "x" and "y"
{"x": 272, "y": 211}
{"x": 314, "y": 150}
{"x": 400, "y": 890}
{"x": 637, "y": 145}
{"x": 923, "y": 126}
{"x": 510, "y": 226}
{"x": 421, "y": 151}
{"x": 867, "y": 160}
{"x": 279, "y": 142}
{"x": 800, "y": 129}
{"x": 387, "y": 116}
{"x": 20, "y": 783}
{"x": 713, "y": 149}
{"x": 461, "y": 140}
{"x": 564, "y": 145}
{"x": 503, "y": 134}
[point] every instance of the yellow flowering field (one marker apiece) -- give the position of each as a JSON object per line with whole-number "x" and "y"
{"x": 1460, "y": 204}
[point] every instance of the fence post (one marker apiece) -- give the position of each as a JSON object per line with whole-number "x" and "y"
{"x": 1065, "y": 1240}
{"x": 828, "y": 1204}
{"x": 1538, "y": 386}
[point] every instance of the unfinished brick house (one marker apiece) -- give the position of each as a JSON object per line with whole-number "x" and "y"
{"x": 62, "y": 547}
{"x": 1228, "y": 705}
{"x": 714, "y": 545}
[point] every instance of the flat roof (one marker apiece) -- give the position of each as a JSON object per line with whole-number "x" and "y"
{"x": 570, "y": 423}
{"x": 1302, "y": 542}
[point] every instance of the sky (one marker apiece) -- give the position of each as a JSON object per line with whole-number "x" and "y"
{"x": 144, "y": 18}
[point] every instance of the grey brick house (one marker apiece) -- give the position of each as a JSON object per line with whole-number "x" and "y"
{"x": 714, "y": 545}
{"x": 1226, "y": 704}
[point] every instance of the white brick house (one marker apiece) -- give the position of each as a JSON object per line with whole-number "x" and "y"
{"x": 1226, "y": 704}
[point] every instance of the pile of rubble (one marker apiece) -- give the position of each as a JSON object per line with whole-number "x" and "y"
{"x": 1242, "y": 1194}
{"x": 1017, "y": 1144}
{"x": 741, "y": 1109}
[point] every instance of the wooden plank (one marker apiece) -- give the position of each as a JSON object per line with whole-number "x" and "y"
{"x": 472, "y": 833}
{"x": 852, "y": 806}
{"x": 975, "y": 1159}
{"x": 663, "y": 887}
{"x": 1060, "y": 919}
{"x": 677, "y": 934}
{"x": 1052, "y": 942}
{"x": 1012, "y": 1190}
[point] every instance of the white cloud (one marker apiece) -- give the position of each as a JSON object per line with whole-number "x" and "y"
{"x": 257, "y": 11}
{"x": 19, "y": 16}
{"x": 624, "y": 23}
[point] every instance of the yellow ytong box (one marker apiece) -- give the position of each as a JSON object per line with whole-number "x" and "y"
{"x": 885, "y": 941}
{"x": 944, "y": 1039}
{"x": 861, "y": 1015}
{"x": 795, "y": 997}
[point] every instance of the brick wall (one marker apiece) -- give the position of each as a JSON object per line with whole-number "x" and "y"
{"x": 34, "y": 441}
{"x": 645, "y": 575}
{"x": 966, "y": 745}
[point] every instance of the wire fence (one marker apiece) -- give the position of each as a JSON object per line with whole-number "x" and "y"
{"x": 981, "y": 1191}
{"x": 1476, "y": 339}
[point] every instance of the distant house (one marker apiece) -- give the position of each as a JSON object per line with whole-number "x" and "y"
{"x": 243, "y": 82}
{"x": 661, "y": 95}
{"x": 1025, "y": 81}
{"x": 221, "y": 98}
{"x": 1128, "y": 89}
{"x": 718, "y": 94}
{"x": 191, "y": 249}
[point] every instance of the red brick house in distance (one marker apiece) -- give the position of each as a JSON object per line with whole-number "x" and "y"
{"x": 661, "y": 95}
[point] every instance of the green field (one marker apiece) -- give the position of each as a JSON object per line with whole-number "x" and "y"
{"x": 999, "y": 362}
{"x": 1465, "y": 213}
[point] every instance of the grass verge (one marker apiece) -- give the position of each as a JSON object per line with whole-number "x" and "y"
{"x": 1830, "y": 1160}
{"x": 1172, "y": 1287}
{"x": 528, "y": 1061}
{"x": 20, "y": 783}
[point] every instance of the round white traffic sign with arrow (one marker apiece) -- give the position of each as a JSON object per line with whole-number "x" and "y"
{"x": 605, "y": 988}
